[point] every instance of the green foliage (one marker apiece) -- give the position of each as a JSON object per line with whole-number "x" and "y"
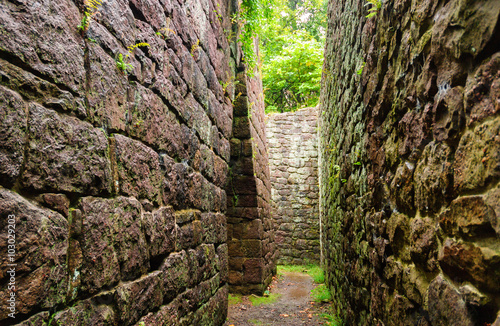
{"x": 292, "y": 41}
{"x": 321, "y": 294}
{"x": 360, "y": 70}
{"x": 234, "y": 299}
{"x": 376, "y": 5}
{"x": 91, "y": 9}
{"x": 249, "y": 18}
{"x": 315, "y": 271}
{"x": 120, "y": 60}
{"x": 122, "y": 65}
{"x": 292, "y": 78}
{"x": 331, "y": 319}
{"x": 257, "y": 301}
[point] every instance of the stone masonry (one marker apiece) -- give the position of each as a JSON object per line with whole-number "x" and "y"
{"x": 410, "y": 162}
{"x": 251, "y": 241}
{"x": 293, "y": 162}
{"x": 114, "y": 161}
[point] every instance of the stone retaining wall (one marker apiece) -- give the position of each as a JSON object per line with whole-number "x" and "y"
{"x": 410, "y": 168}
{"x": 251, "y": 241}
{"x": 293, "y": 162}
{"x": 115, "y": 177}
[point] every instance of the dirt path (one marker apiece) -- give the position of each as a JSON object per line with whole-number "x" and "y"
{"x": 293, "y": 307}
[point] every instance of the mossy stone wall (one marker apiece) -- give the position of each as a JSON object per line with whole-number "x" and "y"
{"x": 410, "y": 164}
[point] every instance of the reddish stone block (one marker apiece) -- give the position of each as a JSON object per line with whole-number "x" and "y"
{"x": 12, "y": 135}
{"x": 65, "y": 154}
{"x": 41, "y": 243}
{"x": 113, "y": 244}
{"x": 138, "y": 169}
{"x": 253, "y": 270}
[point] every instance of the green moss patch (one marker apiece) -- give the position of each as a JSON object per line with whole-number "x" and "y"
{"x": 257, "y": 301}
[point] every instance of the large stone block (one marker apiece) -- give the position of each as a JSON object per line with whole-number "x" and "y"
{"x": 156, "y": 125}
{"x": 86, "y": 312}
{"x": 13, "y": 128}
{"x": 477, "y": 158}
{"x": 40, "y": 243}
{"x": 483, "y": 90}
{"x": 159, "y": 229}
{"x": 470, "y": 262}
{"x": 138, "y": 169}
{"x": 137, "y": 298}
{"x": 469, "y": 217}
{"x": 34, "y": 88}
{"x": 113, "y": 243}
{"x": 446, "y": 306}
{"x": 54, "y": 49}
{"x": 175, "y": 277}
{"x": 433, "y": 177}
{"x": 109, "y": 92}
{"x": 65, "y": 154}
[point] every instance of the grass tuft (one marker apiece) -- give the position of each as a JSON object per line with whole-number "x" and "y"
{"x": 315, "y": 271}
{"x": 234, "y": 299}
{"x": 321, "y": 294}
{"x": 257, "y": 301}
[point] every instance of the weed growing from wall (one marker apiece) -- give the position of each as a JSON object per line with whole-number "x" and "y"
{"x": 91, "y": 9}
{"x": 376, "y": 5}
{"x": 122, "y": 62}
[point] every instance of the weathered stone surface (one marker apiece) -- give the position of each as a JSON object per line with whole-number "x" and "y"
{"x": 41, "y": 242}
{"x": 57, "y": 202}
{"x": 87, "y": 312}
{"x": 423, "y": 242}
{"x": 39, "y": 319}
{"x": 446, "y": 306}
{"x": 409, "y": 162}
{"x": 483, "y": 91}
{"x": 469, "y": 217}
{"x": 65, "y": 154}
{"x": 113, "y": 243}
{"x": 13, "y": 129}
{"x": 139, "y": 297}
{"x": 477, "y": 160}
{"x": 159, "y": 229}
{"x": 294, "y": 202}
{"x": 175, "y": 276}
{"x": 466, "y": 261}
{"x": 40, "y": 90}
{"x": 433, "y": 177}
{"x": 138, "y": 169}
{"x": 54, "y": 49}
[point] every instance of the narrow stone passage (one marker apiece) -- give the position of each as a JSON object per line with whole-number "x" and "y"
{"x": 293, "y": 306}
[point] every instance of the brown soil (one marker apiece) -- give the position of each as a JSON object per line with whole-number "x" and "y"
{"x": 294, "y": 306}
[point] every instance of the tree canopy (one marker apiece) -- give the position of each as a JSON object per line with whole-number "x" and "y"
{"x": 291, "y": 35}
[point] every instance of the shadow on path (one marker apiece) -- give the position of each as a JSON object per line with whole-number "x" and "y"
{"x": 293, "y": 306}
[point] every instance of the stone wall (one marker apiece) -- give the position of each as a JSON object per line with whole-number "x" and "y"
{"x": 116, "y": 180}
{"x": 293, "y": 162}
{"x": 251, "y": 241}
{"x": 410, "y": 163}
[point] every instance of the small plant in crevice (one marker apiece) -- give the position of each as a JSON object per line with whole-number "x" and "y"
{"x": 360, "y": 70}
{"x": 122, "y": 65}
{"x": 195, "y": 47}
{"x": 91, "y": 9}
{"x": 164, "y": 32}
{"x": 216, "y": 11}
{"x": 122, "y": 62}
{"x": 376, "y": 5}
